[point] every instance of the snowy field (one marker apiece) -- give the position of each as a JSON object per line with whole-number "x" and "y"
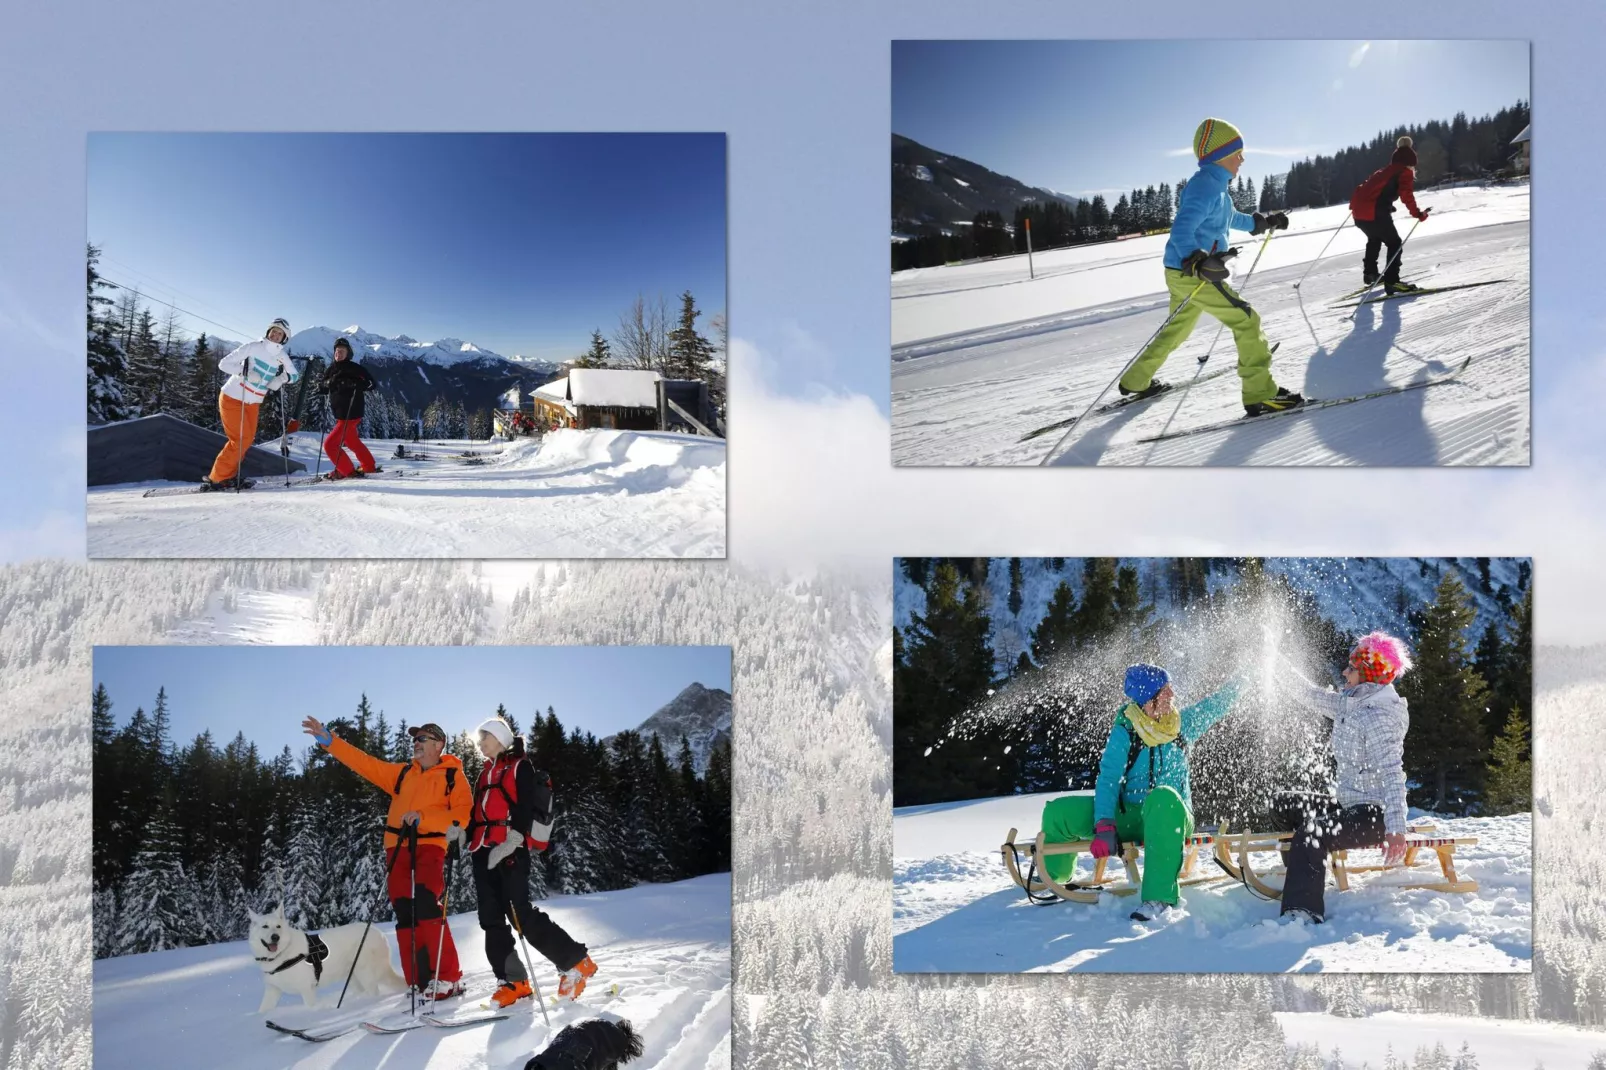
{"x": 1497, "y": 1043}
{"x": 955, "y": 910}
{"x": 666, "y": 946}
{"x": 572, "y": 494}
{"x": 981, "y": 355}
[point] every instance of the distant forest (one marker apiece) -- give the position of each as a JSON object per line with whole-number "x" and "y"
{"x": 187, "y": 836}
{"x": 963, "y": 730}
{"x": 1459, "y": 149}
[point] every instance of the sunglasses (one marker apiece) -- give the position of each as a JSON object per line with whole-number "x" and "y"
{"x": 427, "y": 739}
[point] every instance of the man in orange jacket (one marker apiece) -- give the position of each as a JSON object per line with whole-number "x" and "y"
{"x": 430, "y": 802}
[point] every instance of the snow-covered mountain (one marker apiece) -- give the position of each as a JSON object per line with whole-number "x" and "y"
{"x": 701, "y": 714}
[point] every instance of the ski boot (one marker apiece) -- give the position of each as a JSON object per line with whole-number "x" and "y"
{"x": 572, "y": 982}
{"x": 438, "y": 989}
{"x": 1276, "y": 403}
{"x": 510, "y": 992}
{"x": 1155, "y": 387}
{"x": 1150, "y": 910}
{"x": 1400, "y": 286}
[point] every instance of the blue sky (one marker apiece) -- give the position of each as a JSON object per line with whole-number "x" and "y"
{"x": 519, "y": 243}
{"x": 266, "y": 691}
{"x": 1085, "y": 117}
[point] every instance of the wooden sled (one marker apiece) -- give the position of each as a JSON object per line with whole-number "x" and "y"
{"x": 1042, "y": 889}
{"x": 1234, "y": 850}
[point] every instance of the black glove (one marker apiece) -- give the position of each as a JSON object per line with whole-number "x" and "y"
{"x": 1265, "y": 221}
{"x": 1211, "y": 267}
{"x": 1421, "y": 217}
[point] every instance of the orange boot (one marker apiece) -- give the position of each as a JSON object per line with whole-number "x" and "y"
{"x": 510, "y": 993}
{"x": 572, "y": 982}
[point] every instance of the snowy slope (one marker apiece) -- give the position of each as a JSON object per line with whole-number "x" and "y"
{"x": 1496, "y": 1043}
{"x": 368, "y": 346}
{"x": 667, "y": 946}
{"x": 955, "y": 910}
{"x": 701, "y": 714}
{"x": 982, "y": 355}
{"x": 571, "y": 494}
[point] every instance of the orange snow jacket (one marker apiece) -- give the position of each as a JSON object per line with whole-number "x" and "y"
{"x": 441, "y": 794}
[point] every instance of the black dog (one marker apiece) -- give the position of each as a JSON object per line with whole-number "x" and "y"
{"x": 594, "y": 1044}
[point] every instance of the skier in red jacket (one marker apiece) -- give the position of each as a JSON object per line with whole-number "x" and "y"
{"x": 1372, "y": 205}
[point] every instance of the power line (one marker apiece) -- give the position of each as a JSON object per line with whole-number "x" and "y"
{"x": 158, "y": 283}
{"x": 136, "y": 291}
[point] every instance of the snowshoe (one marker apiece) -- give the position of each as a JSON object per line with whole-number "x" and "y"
{"x": 572, "y": 982}
{"x": 1155, "y": 387}
{"x": 1283, "y": 399}
{"x": 510, "y": 992}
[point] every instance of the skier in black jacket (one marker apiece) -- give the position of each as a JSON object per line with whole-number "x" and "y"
{"x": 345, "y": 381}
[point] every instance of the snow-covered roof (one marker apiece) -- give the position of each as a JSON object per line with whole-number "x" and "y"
{"x": 556, "y": 392}
{"x": 618, "y": 387}
{"x": 1526, "y": 135}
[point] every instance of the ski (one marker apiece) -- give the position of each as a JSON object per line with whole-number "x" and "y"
{"x": 308, "y": 1034}
{"x": 395, "y": 1023}
{"x": 196, "y": 488}
{"x": 1312, "y": 404}
{"x": 325, "y": 478}
{"x": 462, "y": 1018}
{"x": 1121, "y": 403}
{"x": 1421, "y": 292}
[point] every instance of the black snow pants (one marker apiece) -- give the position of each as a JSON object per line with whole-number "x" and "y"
{"x": 505, "y": 889}
{"x": 1321, "y": 825}
{"x": 1380, "y": 232}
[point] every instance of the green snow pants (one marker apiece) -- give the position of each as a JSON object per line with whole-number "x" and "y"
{"x": 1066, "y": 819}
{"x": 1162, "y": 825}
{"x": 1218, "y": 299}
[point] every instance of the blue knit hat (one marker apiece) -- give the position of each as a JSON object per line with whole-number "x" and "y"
{"x": 1143, "y": 682}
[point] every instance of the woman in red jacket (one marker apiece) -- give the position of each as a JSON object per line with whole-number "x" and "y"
{"x": 512, "y": 817}
{"x": 1372, "y": 205}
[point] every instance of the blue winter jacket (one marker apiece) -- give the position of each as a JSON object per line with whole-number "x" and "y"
{"x": 1170, "y": 765}
{"x": 1204, "y": 216}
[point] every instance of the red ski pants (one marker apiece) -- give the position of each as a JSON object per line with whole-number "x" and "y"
{"x": 415, "y": 890}
{"x": 345, "y": 434}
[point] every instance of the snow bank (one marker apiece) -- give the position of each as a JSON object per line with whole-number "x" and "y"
{"x": 1496, "y": 1042}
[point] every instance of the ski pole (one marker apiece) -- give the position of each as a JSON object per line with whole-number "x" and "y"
{"x": 446, "y": 898}
{"x": 1323, "y": 253}
{"x": 1368, "y": 291}
{"x": 412, "y": 906}
{"x": 284, "y": 438}
{"x": 514, "y": 914}
{"x": 1080, "y": 420}
{"x": 384, "y": 889}
{"x": 1219, "y": 329}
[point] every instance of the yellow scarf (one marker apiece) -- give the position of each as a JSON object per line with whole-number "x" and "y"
{"x": 1153, "y": 732}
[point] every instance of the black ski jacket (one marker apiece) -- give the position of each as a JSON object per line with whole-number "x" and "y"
{"x": 346, "y": 381}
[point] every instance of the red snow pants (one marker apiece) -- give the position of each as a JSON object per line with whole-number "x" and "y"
{"x": 345, "y": 434}
{"x": 421, "y": 930}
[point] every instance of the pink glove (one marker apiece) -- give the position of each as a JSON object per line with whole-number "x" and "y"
{"x": 1104, "y": 841}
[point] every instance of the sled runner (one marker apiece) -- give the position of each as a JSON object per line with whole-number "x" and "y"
{"x": 1043, "y": 889}
{"x": 1233, "y": 852}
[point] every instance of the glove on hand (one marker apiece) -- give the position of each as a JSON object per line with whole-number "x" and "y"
{"x": 1211, "y": 267}
{"x": 504, "y": 850}
{"x": 1104, "y": 842}
{"x": 293, "y": 425}
{"x": 1423, "y": 214}
{"x": 1265, "y": 221}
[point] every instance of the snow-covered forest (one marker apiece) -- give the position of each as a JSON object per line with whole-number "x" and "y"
{"x": 189, "y": 836}
{"x": 811, "y": 821}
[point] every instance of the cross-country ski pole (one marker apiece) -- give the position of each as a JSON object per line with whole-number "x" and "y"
{"x": 1373, "y": 285}
{"x": 1081, "y": 420}
{"x": 384, "y": 890}
{"x": 284, "y": 438}
{"x": 534, "y": 984}
{"x": 1323, "y": 253}
{"x": 446, "y": 898}
{"x": 1219, "y": 329}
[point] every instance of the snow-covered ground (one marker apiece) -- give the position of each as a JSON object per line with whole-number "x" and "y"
{"x": 955, "y": 910}
{"x": 667, "y": 946}
{"x": 1500, "y": 1043}
{"x": 982, "y": 355}
{"x": 572, "y": 494}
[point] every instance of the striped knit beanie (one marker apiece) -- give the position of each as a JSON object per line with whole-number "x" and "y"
{"x": 1215, "y": 140}
{"x": 1379, "y": 658}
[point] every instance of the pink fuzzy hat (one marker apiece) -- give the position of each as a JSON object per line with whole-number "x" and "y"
{"x": 1380, "y": 658}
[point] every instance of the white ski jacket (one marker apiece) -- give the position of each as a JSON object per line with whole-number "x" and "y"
{"x": 1369, "y": 726}
{"x": 255, "y": 369}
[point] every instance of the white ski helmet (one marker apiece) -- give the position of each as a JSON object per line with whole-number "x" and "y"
{"x": 283, "y": 325}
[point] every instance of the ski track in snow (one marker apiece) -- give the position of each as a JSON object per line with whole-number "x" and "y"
{"x": 981, "y": 357}
{"x": 667, "y": 947}
{"x": 574, "y": 494}
{"x": 955, "y": 910}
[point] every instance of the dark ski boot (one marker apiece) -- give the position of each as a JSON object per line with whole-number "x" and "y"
{"x": 1154, "y": 387}
{"x": 1283, "y": 399}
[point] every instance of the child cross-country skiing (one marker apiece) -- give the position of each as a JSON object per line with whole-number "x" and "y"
{"x": 1370, "y": 720}
{"x": 254, "y": 369}
{"x": 346, "y": 382}
{"x": 1143, "y": 792}
{"x": 512, "y": 816}
{"x": 1372, "y": 206}
{"x": 429, "y": 802}
{"x": 1196, "y": 264}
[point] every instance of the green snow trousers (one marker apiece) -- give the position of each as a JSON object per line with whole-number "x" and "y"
{"x": 1218, "y": 299}
{"x": 1162, "y": 824}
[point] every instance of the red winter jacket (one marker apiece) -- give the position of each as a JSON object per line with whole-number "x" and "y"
{"x": 1375, "y": 196}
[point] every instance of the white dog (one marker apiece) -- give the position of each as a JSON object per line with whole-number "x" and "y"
{"x": 295, "y": 961}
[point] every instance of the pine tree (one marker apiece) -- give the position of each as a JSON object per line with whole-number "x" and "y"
{"x": 160, "y": 904}
{"x": 689, "y": 351}
{"x": 107, "y": 395}
{"x": 1508, "y": 787}
{"x": 1015, "y": 581}
{"x": 1056, "y": 631}
{"x": 1445, "y": 747}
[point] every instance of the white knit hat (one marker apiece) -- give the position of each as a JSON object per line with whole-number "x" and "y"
{"x": 497, "y": 729}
